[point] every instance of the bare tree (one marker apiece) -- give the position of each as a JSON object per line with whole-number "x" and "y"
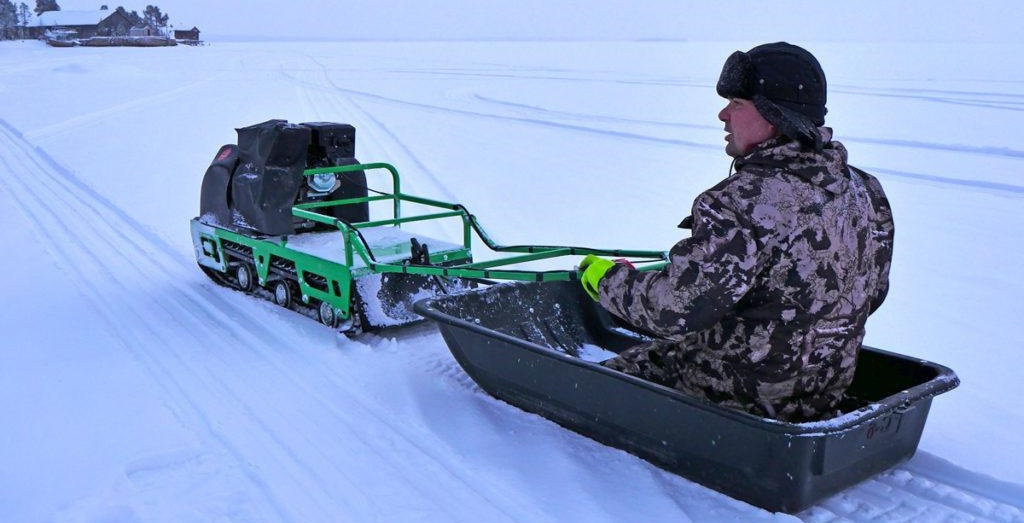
{"x": 8, "y": 19}
{"x": 132, "y": 16}
{"x": 154, "y": 17}
{"x": 23, "y": 20}
{"x": 43, "y": 6}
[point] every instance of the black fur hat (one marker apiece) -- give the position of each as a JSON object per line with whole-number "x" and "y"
{"x": 786, "y": 84}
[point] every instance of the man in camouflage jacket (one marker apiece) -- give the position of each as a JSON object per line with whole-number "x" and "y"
{"x": 763, "y": 307}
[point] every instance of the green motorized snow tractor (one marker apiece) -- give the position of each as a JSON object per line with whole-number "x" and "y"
{"x": 286, "y": 215}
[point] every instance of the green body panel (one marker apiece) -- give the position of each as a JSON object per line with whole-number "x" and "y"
{"x": 337, "y": 276}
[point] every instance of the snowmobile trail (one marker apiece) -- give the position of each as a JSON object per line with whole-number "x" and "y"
{"x": 497, "y": 75}
{"x": 77, "y": 122}
{"x": 977, "y": 95}
{"x": 247, "y": 370}
{"x": 597, "y": 118}
{"x": 1002, "y": 152}
{"x": 327, "y": 381}
{"x": 901, "y": 495}
{"x": 379, "y": 142}
{"x": 51, "y": 64}
{"x": 1005, "y": 189}
{"x": 389, "y": 101}
{"x": 392, "y": 146}
{"x": 546, "y": 118}
{"x": 310, "y": 388}
{"x": 975, "y": 99}
{"x": 25, "y": 175}
{"x": 526, "y": 109}
{"x": 306, "y": 469}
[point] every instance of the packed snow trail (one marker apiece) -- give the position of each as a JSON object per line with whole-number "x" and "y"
{"x": 169, "y": 328}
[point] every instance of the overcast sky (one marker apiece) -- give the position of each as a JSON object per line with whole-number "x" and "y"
{"x": 868, "y": 20}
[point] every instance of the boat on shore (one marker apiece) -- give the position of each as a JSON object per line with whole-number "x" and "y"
{"x": 61, "y": 38}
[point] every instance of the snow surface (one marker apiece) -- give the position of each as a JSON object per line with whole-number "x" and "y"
{"x": 137, "y": 390}
{"x": 594, "y": 353}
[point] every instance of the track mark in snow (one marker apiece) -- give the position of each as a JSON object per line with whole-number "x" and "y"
{"x": 932, "y": 467}
{"x": 451, "y": 373}
{"x": 976, "y": 100}
{"x": 431, "y": 357}
{"x": 548, "y": 74}
{"x": 949, "y": 496}
{"x": 672, "y": 493}
{"x": 380, "y": 136}
{"x": 346, "y": 105}
{"x": 248, "y": 366}
{"x": 155, "y": 468}
{"x": 905, "y": 496}
{"x": 438, "y": 184}
{"x": 439, "y": 361}
{"x": 590, "y": 117}
{"x": 77, "y": 122}
{"x": 944, "y": 92}
{"x": 1004, "y": 152}
{"x": 30, "y": 183}
{"x": 530, "y": 121}
{"x": 1013, "y": 190}
{"x": 980, "y": 184}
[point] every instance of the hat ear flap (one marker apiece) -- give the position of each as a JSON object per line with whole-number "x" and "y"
{"x": 789, "y": 123}
{"x": 738, "y": 77}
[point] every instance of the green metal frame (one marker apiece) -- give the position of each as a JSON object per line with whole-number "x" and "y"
{"x": 209, "y": 240}
{"x": 355, "y": 247}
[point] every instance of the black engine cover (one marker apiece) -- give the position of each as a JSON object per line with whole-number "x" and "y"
{"x": 255, "y": 184}
{"x": 272, "y": 156}
{"x": 331, "y": 141}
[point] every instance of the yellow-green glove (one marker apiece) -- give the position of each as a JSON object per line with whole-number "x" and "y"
{"x": 593, "y": 269}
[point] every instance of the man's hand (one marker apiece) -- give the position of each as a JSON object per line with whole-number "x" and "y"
{"x": 593, "y": 269}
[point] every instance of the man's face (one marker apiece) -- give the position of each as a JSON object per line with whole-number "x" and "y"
{"x": 745, "y": 126}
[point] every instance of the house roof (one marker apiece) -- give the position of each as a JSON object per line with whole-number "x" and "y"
{"x": 66, "y": 18}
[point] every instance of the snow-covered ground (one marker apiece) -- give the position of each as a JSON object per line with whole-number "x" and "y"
{"x": 136, "y": 390}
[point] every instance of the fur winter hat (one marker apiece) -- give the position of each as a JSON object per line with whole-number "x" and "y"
{"x": 786, "y": 84}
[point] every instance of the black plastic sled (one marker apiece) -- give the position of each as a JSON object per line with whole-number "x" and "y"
{"x": 533, "y": 344}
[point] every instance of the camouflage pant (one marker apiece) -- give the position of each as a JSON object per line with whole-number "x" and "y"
{"x": 665, "y": 363}
{"x": 651, "y": 361}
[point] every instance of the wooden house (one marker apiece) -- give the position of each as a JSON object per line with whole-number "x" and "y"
{"x": 187, "y": 35}
{"x": 85, "y": 24}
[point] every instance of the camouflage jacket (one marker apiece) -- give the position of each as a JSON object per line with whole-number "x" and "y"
{"x": 763, "y": 307}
